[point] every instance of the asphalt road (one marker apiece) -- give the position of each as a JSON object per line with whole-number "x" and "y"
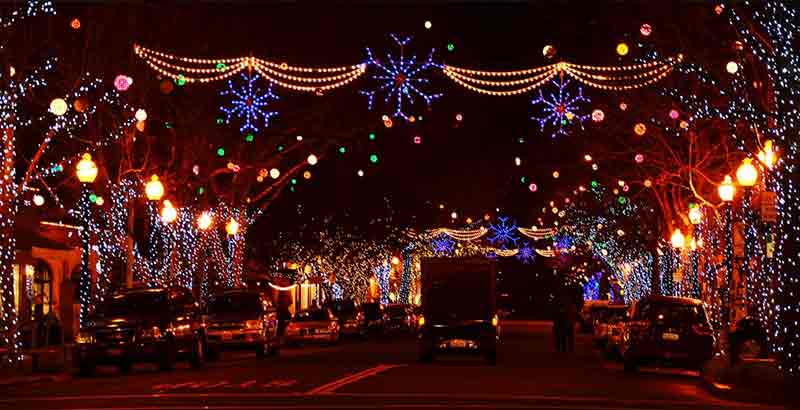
{"x": 380, "y": 373}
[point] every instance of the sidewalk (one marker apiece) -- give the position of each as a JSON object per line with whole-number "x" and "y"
{"x": 754, "y": 381}
{"x": 52, "y": 364}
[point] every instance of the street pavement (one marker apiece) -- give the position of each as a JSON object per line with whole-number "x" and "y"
{"x": 383, "y": 372}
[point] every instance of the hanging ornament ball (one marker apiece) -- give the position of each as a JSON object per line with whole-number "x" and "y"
{"x": 249, "y": 137}
{"x": 388, "y": 123}
{"x": 360, "y": 173}
{"x": 299, "y": 138}
{"x": 231, "y": 165}
{"x": 80, "y": 104}
{"x": 595, "y": 167}
{"x": 623, "y": 106}
{"x": 412, "y": 119}
{"x": 548, "y": 51}
{"x": 274, "y": 173}
{"x": 674, "y": 114}
{"x": 75, "y": 24}
{"x": 307, "y": 175}
{"x": 342, "y": 150}
{"x": 180, "y": 80}
{"x": 58, "y": 107}
{"x": 259, "y": 179}
{"x": 648, "y": 183}
{"x": 166, "y": 87}
{"x": 141, "y": 114}
{"x": 99, "y": 201}
{"x": 372, "y": 136}
{"x": 615, "y": 191}
{"x": 646, "y": 29}
{"x": 625, "y": 188}
{"x": 417, "y": 140}
{"x": 640, "y": 129}
{"x": 122, "y": 82}
{"x": 312, "y": 159}
{"x": 428, "y": 24}
{"x": 38, "y": 200}
{"x": 622, "y": 49}
{"x": 732, "y": 67}
{"x": 684, "y": 124}
{"x": 221, "y": 152}
{"x": 385, "y": 117}
{"x": 556, "y": 174}
{"x": 598, "y": 115}
{"x": 587, "y": 158}
{"x": 140, "y": 126}
{"x": 373, "y": 158}
{"x": 196, "y": 169}
{"x": 459, "y": 117}
{"x": 533, "y": 187}
{"x": 451, "y": 47}
{"x": 639, "y": 158}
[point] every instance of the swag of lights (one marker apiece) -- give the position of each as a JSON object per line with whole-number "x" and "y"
{"x": 320, "y": 79}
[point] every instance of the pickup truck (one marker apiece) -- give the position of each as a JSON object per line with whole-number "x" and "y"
{"x": 459, "y": 313}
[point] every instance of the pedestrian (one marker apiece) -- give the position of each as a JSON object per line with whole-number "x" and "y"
{"x": 570, "y": 318}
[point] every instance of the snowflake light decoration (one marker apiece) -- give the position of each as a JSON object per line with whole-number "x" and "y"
{"x": 525, "y": 253}
{"x": 561, "y": 109}
{"x": 401, "y": 79}
{"x": 443, "y": 245}
{"x": 504, "y": 233}
{"x": 248, "y": 102}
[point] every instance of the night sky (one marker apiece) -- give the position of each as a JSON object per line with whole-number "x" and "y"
{"x": 467, "y": 165}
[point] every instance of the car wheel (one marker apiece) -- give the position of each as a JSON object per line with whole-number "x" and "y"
{"x": 169, "y": 353}
{"x": 491, "y": 357}
{"x": 630, "y": 366}
{"x": 262, "y": 350}
{"x": 198, "y": 352}
{"x": 212, "y": 354}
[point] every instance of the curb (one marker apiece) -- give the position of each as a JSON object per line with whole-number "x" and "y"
{"x": 16, "y": 381}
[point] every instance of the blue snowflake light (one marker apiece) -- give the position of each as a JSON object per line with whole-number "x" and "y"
{"x": 560, "y": 109}
{"x": 248, "y": 102}
{"x": 525, "y": 253}
{"x": 400, "y": 79}
{"x": 504, "y": 233}
{"x": 443, "y": 245}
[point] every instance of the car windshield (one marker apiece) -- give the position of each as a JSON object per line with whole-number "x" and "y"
{"x": 672, "y": 312}
{"x": 396, "y": 310}
{"x": 311, "y": 316}
{"x": 139, "y": 304}
{"x": 234, "y": 303}
{"x": 372, "y": 310}
{"x": 346, "y": 306}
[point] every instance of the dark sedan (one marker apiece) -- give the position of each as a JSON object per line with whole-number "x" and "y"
{"x": 242, "y": 319}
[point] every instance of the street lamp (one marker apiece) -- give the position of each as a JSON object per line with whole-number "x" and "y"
{"x": 86, "y": 171}
{"x": 695, "y": 214}
{"x": 677, "y": 239}
{"x": 168, "y": 212}
{"x": 154, "y": 189}
{"x": 232, "y": 227}
{"x": 747, "y": 174}
{"x": 204, "y": 221}
{"x": 726, "y": 189}
{"x": 767, "y": 155}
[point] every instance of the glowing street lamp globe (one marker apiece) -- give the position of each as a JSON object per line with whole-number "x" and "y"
{"x": 312, "y": 159}
{"x": 154, "y": 189}
{"x": 678, "y": 240}
{"x": 232, "y": 227}
{"x": 86, "y": 170}
{"x": 767, "y": 155}
{"x": 695, "y": 215}
{"x": 747, "y": 174}
{"x": 168, "y": 213}
{"x": 204, "y": 221}
{"x": 726, "y": 189}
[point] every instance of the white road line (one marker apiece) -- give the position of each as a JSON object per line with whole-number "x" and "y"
{"x": 336, "y": 384}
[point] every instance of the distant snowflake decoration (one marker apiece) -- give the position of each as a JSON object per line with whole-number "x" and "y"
{"x": 525, "y": 253}
{"x": 443, "y": 245}
{"x": 503, "y": 233}
{"x": 249, "y": 103}
{"x": 400, "y": 80}
{"x": 561, "y": 109}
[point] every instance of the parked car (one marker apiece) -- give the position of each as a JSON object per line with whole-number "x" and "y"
{"x": 616, "y": 327}
{"x": 589, "y": 313}
{"x": 375, "y": 317}
{"x": 399, "y": 318}
{"x": 313, "y": 325}
{"x": 351, "y": 318}
{"x": 145, "y": 325}
{"x": 669, "y": 330}
{"x": 604, "y": 323}
{"x": 242, "y": 319}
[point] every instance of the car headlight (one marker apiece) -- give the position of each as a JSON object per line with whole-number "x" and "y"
{"x": 152, "y": 333}
{"x": 84, "y": 337}
{"x": 252, "y": 324}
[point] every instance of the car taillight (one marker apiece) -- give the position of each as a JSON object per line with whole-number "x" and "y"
{"x": 421, "y": 321}
{"x": 333, "y": 325}
{"x": 495, "y": 321}
{"x": 702, "y": 329}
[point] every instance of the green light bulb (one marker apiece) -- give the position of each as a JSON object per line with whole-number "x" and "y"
{"x": 373, "y": 158}
{"x": 93, "y": 198}
{"x": 451, "y": 46}
{"x": 342, "y": 150}
{"x": 249, "y": 138}
{"x": 221, "y": 152}
{"x": 372, "y": 136}
{"x": 595, "y": 184}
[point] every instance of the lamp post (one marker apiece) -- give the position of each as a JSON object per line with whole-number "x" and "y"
{"x": 86, "y": 171}
{"x": 747, "y": 177}
{"x": 726, "y": 191}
